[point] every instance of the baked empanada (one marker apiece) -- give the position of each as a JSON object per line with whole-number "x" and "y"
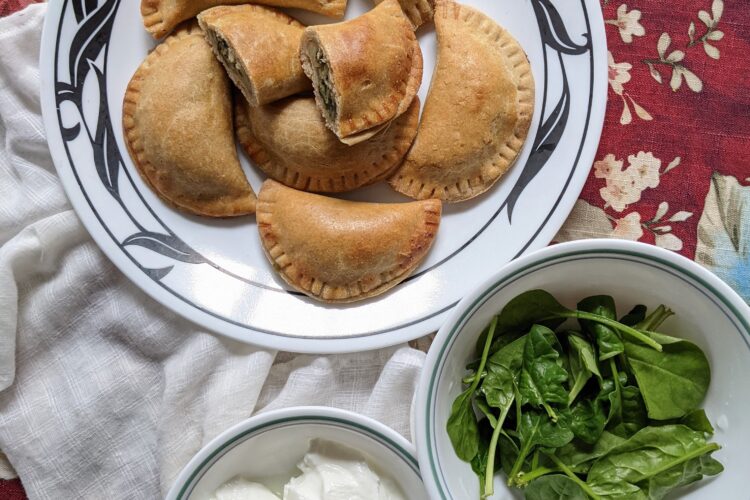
{"x": 289, "y": 141}
{"x": 343, "y": 251}
{"x": 162, "y": 16}
{"x": 418, "y": 11}
{"x": 177, "y": 119}
{"x": 365, "y": 71}
{"x": 478, "y": 110}
{"x": 259, "y": 48}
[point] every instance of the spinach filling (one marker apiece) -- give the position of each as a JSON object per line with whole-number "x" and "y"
{"x": 227, "y": 54}
{"x": 325, "y": 86}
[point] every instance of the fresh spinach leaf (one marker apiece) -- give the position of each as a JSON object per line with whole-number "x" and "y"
{"x": 537, "y": 429}
{"x": 632, "y": 416}
{"x": 672, "y": 382}
{"x": 635, "y": 316}
{"x": 479, "y": 462}
{"x": 653, "y": 462}
{"x": 524, "y": 310}
{"x": 577, "y": 454}
{"x": 554, "y": 487}
{"x": 504, "y": 340}
{"x": 500, "y": 388}
{"x": 627, "y": 412}
{"x": 508, "y": 452}
{"x": 540, "y": 307}
{"x": 529, "y": 308}
{"x": 607, "y": 339}
{"x": 542, "y": 379}
{"x": 484, "y": 408}
{"x": 587, "y": 420}
{"x": 503, "y": 369}
{"x": 462, "y": 427}
{"x": 582, "y": 362}
{"x": 696, "y": 420}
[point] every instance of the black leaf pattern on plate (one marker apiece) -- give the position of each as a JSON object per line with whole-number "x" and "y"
{"x": 106, "y": 153}
{"x": 81, "y": 9}
{"x": 157, "y": 274}
{"x": 547, "y": 138}
{"x": 68, "y": 134}
{"x": 553, "y": 29}
{"x": 90, "y": 38}
{"x": 95, "y": 21}
{"x": 165, "y": 244}
{"x": 555, "y": 36}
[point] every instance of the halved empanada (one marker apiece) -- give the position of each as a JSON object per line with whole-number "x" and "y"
{"x": 177, "y": 119}
{"x": 478, "y": 110}
{"x": 259, "y": 48}
{"x": 289, "y": 141}
{"x": 343, "y": 251}
{"x": 418, "y": 11}
{"x": 161, "y": 16}
{"x": 365, "y": 71}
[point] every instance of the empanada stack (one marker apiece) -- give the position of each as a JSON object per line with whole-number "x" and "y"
{"x": 327, "y": 109}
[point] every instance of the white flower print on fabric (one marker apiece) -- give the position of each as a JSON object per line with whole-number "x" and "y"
{"x": 628, "y": 227}
{"x": 628, "y": 23}
{"x": 619, "y": 75}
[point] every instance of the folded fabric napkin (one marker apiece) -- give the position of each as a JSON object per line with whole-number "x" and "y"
{"x": 103, "y": 392}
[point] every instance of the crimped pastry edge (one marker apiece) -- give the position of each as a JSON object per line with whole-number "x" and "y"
{"x": 322, "y": 291}
{"x": 132, "y": 137}
{"x": 507, "y": 153}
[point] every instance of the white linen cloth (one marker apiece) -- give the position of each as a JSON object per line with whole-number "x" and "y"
{"x": 105, "y": 394}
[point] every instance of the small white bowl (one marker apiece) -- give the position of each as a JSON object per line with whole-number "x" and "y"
{"x": 268, "y": 446}
{"x": 708, "y": 313}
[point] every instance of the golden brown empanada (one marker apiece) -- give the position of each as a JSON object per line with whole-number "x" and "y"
{"x": 259, "y": 48}
{"x": 343, "y": 251}
{"x": 478, "y": 111}
{"x": 161, "y": 16}
{"x": 177, "y": 119}
{"x": 418, "y": 11}
{"x": 289, "y": 141}
{"x": 365, "y": 71}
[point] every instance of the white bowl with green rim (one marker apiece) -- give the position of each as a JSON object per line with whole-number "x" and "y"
{"x": 708, "y": 312}
{"x": 267, "y": 448}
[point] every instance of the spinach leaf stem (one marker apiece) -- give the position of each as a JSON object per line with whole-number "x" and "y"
{"x": 585, "y": 487}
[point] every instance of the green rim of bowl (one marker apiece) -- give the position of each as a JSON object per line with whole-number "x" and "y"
{"x": 642, "y": 258}
{"x": 227, "y": 445}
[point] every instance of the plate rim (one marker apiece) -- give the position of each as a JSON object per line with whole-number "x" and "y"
{"x": 314, "y": 345}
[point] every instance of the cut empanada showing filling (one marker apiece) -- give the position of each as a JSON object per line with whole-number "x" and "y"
{"x": 259, "y": 47}
{"x": 365, "y": 71}
{"x": 418, "y": 11}
{"x": 177, "y": 120}
{"x": 289, "y": 141}
{"x": 477, "y": 113}
{"x": 162, "y": 16}
{"x": 343, "y": 251}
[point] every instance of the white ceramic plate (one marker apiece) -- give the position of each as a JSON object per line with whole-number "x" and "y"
{"x": 214, "y": 271}
{"x": 708, "y": 313}
{"x": 267, "y": 448}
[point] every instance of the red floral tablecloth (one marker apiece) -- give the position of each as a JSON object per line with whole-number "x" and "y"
{"x": 673, "y": 167}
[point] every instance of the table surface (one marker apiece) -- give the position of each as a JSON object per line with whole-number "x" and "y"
{"x": 671, "y": 169}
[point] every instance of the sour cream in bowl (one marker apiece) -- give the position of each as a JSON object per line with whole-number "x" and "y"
{"x": 304, "y": 453}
